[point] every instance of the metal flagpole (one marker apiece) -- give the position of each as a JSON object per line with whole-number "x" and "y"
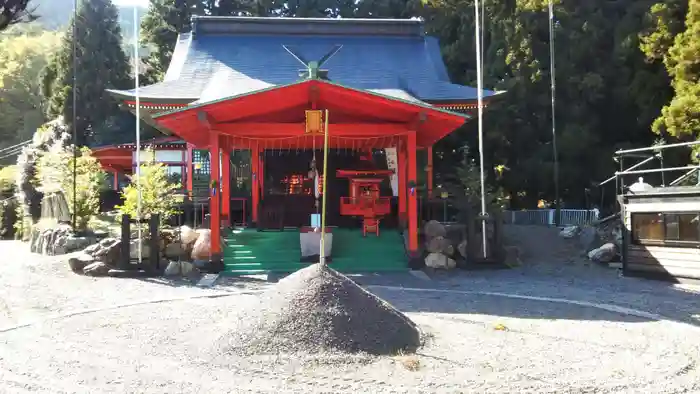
{"x": 554, "y": 124}
{"x": 480, "y": 103}
{"x": 75, "y": 113}
{"x": 322, "y": 254}
{"x": 138, "y": 130}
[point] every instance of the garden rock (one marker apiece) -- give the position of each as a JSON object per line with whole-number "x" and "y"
{"x": 202, "y": 247}
{"x": 569, "y": 232}
{"x": 109, "y": 251}
{"x": 78, "y": 263}
{"x": 437, "y": 244}
{"x": 173, "y": 269}
{"x": 590, "y": 239}
{"x": 603, "y": 254}
{"x": 462, "y": 248}
{"x": 434, "y": 229}
{"x": 174, "y": 250}
{"x": 97, "y": 268}
{"x": 439, "y": 261}
{"x": 188, "y": 236}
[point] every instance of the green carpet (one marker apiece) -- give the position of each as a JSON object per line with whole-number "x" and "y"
{"x": 253, "y": 252}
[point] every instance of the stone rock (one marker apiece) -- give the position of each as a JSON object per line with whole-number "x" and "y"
{"x": 173, "y": 269}
{"x": 92, "y": 249}
{"x": 177, "y": 268}
{"x": 437, "y": 244}
{"x": 78, "y": 263}
{"x": 462, "y": 248}
{"x": 590, "y": 239}
{"x": 439, "y": 261}
{"x": 109, "y": 251}
{"x": 569, "y": 232}
{"x": 448, "y": 250}
{"x": 188, "y": 236}
{"x": 73, "y": 243}
{"x": 434, "y": 229}
{"x": 134, "y": 249}
{"x": 57, "y": 240}
{"x": 202, "y": 247}
{"x": 187, "y": 268}
{"x": 97, "y": 268}
{"x": 603, "y": 254}
{"x": 174, "y": 250}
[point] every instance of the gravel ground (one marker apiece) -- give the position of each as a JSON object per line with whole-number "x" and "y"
{"x": 477, "y": 343}
{"x": 318, "y": 310}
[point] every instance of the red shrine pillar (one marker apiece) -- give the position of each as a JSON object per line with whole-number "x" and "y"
{"x": 429, "y": 172}
{"x": 115, "y": 181}
{"x": 261, "y": 177}
{"x": 189, "y": 170}
{"x": 412, "y": 197}
{"x": 226, "y": 184}
{"x": 214, "y": 198}
{"x": 401, "y": 167}
{"x": 255, "y": 185}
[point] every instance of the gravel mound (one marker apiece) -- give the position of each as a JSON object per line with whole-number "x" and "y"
{"x": 318, "y": 310}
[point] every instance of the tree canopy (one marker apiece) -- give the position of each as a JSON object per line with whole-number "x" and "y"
{"x": 14, "y": 11}
{"x": 627, "y": 74}
{"x": 101, "y": 64}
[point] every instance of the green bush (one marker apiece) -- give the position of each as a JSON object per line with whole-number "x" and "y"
{"x": 55, "y": 174}
{"x": 8, "y": 201}
{"x": 158, "y": 193}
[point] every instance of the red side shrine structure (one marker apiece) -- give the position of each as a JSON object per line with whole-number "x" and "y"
{"x": 248, "y": 84}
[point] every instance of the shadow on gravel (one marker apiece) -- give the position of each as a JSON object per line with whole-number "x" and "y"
{"x": 654, "y": 297}
{"x": 449, "y": 303}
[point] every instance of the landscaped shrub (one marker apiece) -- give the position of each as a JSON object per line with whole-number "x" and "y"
{"x": 55, "y": 174}
{"x": 8, "y": 202}
{"x": 53, "y": 133}
{"x": 158, "y": 193}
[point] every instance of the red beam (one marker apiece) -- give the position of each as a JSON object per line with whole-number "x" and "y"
{"x": 294, "y": 129}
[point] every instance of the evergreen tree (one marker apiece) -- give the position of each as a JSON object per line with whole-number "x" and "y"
{"x": 101, "y": 64}
{"x": 681, "y": 117}
{"x": 14, "y": 11}
{"x": 164, "y": 20}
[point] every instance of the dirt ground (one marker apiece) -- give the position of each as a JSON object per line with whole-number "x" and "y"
{"x": 572, "y": 328}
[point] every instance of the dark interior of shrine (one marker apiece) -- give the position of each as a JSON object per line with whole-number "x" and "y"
{"x": 288, "y": 189}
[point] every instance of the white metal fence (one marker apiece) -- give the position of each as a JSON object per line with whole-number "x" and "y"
{"x": 545, "y": 217}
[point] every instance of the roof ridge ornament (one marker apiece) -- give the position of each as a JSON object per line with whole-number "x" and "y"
{"x": 313, "y": 68}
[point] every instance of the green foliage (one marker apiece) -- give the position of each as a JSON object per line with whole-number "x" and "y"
{"x": 607, "y": 92}
{"x": 55, "y": 173}
{"x": 22, "y": 59}
{"x": 101, "y": 65}
{"x": 8, "y": 201}
{"x": 681, "y": 117}
{"x": 8, "y": 177}
{"x": 158, "y": 193}
{"x": 467, "y": 185}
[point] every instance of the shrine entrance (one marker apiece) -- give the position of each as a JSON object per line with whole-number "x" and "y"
{"x": 285, "y": 159}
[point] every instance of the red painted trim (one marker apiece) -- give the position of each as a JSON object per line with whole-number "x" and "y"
{"x": 229, "y": 115}
{"x": 401, "y": 163}
{"x": 214, "y": 204}
{"x": 412, "y": 197}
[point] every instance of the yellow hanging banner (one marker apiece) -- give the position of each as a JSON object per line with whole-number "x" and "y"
{"x": 314, "y": 121}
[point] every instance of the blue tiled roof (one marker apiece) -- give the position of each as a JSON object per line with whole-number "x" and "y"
{"x": 209, "y": 66}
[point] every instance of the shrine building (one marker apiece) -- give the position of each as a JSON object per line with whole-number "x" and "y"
{"x": 243, "y": 108}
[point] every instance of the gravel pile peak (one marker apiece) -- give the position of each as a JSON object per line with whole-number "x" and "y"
{"x": 318, "y": 310}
